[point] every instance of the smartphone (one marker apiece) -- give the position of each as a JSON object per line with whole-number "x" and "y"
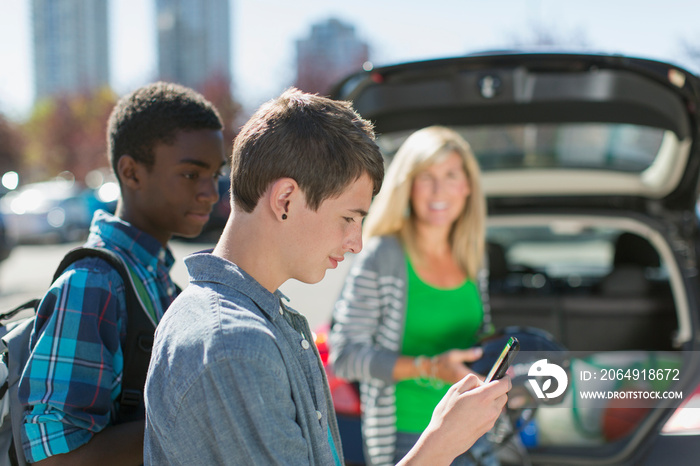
{"x": 504, "y": 360}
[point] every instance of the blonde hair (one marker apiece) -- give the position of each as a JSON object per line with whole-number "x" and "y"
{"x": 389, "y": 215}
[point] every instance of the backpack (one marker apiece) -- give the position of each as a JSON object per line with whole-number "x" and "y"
{"x": 15, "y": 352}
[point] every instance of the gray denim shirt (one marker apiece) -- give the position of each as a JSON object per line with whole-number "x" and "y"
{"x": 235, "y": 377}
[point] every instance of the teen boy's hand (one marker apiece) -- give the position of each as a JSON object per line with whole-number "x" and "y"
{"x": 468, "y": 410}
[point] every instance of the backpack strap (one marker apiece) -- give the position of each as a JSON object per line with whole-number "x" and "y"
{"x": 31, "y": 304}
{"x": 5, "y": 329}
{"x": 139, "y": 330}
{"x": 17, "y": 352}
{"x": 142, "y": 293}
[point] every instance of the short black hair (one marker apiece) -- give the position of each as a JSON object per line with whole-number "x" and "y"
{"x": 321, "y": 143}
{"x": 154, "y": 114}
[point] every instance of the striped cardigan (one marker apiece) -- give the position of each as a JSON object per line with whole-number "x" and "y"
{"x": 366, "y": 338}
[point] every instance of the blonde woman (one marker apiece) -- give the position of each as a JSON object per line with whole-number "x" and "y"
{"x": 414, "y": 301}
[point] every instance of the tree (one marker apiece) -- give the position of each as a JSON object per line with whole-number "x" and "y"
{"x": 691, "y": 51}
{"x": 11, "y": 146}
{"x": 68, "y": 133}
{"x": 539, "y": 34}
{"x": 217, "y": 90}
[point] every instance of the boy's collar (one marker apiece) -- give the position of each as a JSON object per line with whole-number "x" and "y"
{"x": 206, "y": 266}
{"x": 124, "y": 235}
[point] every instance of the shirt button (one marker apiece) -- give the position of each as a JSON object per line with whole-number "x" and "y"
{"x": 305, "y": 344}
{"x": 281, "y": 311}
{"x": 319, "y": 415}
{"x": 171, "y": 291}
{"x": 149, "y": 268}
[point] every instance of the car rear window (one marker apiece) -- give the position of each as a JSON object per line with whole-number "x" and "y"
{"x": 588, "y": 146}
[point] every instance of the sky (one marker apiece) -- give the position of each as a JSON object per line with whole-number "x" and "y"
{"x": 264, "y": 32}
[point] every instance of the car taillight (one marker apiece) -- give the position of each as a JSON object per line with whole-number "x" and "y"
{"x": 346, "y": 400}
{"x": 321, "y": 340}
{"x": 686, "y": 419}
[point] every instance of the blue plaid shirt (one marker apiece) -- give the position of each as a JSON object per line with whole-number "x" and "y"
{"x": 73, "y": 377}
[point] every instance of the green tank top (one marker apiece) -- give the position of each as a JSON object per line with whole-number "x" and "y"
{"x": 437, "y": 320}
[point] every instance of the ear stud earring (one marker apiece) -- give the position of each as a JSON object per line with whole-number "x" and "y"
{"x": 284, "y": 216}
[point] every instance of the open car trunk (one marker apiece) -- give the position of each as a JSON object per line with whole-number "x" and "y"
{"x": 609, "y": 289}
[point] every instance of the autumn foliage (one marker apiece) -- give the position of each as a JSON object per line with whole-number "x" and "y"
{"x": 67, "y": 133}
{"x": 11, "y": 145}
{"x": 218, "y": 91}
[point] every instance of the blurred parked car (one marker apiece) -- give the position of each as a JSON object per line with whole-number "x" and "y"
{"x": 51, "y": 211}
{"x": 6, "y": 244}
{"x": 590, "y": 165}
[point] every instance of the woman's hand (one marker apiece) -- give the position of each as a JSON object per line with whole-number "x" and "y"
{"x": 450, "y": 365}
{"x": 447, "y": 367}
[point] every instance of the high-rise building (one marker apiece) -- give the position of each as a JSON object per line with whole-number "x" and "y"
{"x": 331, "y": 52}
{"x": 71, "y": 48}
{"x": 194, "y": 41}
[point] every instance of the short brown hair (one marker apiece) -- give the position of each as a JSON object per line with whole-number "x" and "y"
{"x": 322, "y": 144}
